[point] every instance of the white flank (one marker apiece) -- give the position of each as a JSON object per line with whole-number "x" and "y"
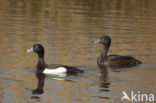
{"x": 61, "y": 71}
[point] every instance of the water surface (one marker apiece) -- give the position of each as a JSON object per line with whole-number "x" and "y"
{"x": 66, "y": 29}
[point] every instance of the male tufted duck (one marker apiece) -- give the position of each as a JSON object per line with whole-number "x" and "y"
{"x": 115, "y": 61}
{"x": 54, "y": 69}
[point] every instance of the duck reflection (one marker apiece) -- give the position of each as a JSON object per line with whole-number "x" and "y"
{"x": 104, "y": 84}
{"x": 40, "y": 77}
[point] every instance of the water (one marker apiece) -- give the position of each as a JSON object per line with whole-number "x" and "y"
{"x": 66, "y": 28}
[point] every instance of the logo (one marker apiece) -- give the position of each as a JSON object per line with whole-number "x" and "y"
{"x": 137, "y": 97}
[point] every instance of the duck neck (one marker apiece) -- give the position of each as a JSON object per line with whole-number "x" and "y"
{"x": 104, "y": 51}
{"x": 41, "y": 65}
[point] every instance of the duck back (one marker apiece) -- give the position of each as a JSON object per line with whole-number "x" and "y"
{"x": 118, "y": 61}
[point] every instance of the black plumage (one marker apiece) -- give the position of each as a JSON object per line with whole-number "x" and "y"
{"x": 41, "y": 65}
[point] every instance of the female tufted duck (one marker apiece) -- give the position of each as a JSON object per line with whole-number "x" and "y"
{"x": 54, "y": 69}
{"x": 115, "y": 61}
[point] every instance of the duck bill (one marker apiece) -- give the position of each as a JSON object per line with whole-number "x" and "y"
{"x": 96, "y": 41}
{"x": 30, "y": 50}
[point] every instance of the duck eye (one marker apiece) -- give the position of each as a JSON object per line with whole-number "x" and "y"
{"x": 103, "y": 38}
{"x": 36, "y": 46}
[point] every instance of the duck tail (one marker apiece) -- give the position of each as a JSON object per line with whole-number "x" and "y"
{"x": 139, "y": 62}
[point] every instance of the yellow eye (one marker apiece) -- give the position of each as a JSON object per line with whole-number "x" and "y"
{"x": 103, "y": 38}
{"x": 36, "y": 46}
